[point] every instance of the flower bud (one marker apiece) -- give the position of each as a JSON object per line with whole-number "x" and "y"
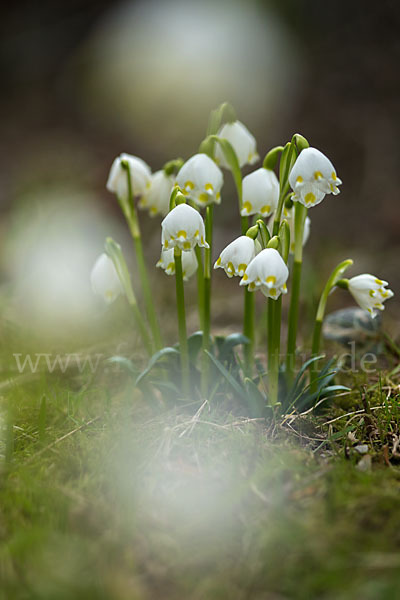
{"x": 288, "y": 215}
{"x": 104, "y": 279}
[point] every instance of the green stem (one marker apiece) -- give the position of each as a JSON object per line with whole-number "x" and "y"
{"x": 299, "y": 219}
{"x": 200, "y": 286}
{"x": 180, "y": 303}
{"x": 141, "y": 325}
{"x": 114, "y": 251}
{"x": 248, "y": 311}
{"x": 207, "y": 298}
{"x": 274, "y": 326}
{"x": 334, "y": 278}
{"x": 248, "y": 330}
{"x": 133, "y": 222}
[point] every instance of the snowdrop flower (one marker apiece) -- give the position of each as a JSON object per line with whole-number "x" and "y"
{"x": 288, "y": 215}
{"x": 369, "y": 292}
{"x": 201, "y": 180}
{"x": 104, "y": 279}
{"x": 157, "y": 194}
{"x": 118, "y": 181}
{"x": 183, "y": 228}
{"x": 189, "y": 263}
{"x": 312, "y": 176}
{"x": 268, "y": 273}
{"x": 260, "y": 193}
{"x": 235, "y": 258}
{"x": 241, "y": 140}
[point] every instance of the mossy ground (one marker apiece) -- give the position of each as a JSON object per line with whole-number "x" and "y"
{"x": 104, "y": 496}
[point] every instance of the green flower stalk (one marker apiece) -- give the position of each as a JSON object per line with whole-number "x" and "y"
{"x": 180, "y": 304}
{"x": 207, "y": 300}
{"x": 128, "y": 177}
{"x": 300, "y": 213}
{"x": 268, "y": 273}
{"x": 316, "y": 339}
{"x": 239, "y": 143}
{"x": 182, "y": 229}
{"x": 115, "y": 255}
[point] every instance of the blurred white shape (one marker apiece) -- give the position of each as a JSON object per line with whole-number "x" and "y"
{"x": 160, "y": 67}
{"x": 53, "y": 243}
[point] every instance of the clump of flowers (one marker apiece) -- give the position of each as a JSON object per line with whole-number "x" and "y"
{"x": 266, "y": 252}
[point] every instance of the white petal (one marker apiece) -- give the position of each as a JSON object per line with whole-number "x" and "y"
{"x": 201, "y": 179}
{"x": 242, "y": 141}
{"x": 260, "y": 193}
{"x": 158, "y": 193}
{"x": 235, "y": 258}
{"x": 140, "y": 176}
{"x": 104, "y": 279}
{"x": 183, "y": 227}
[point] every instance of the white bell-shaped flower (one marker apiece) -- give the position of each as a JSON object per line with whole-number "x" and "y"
{"x": 288, "y": 215}
{"x": 104, "y": 279}
{"x": 312, "y": 176}
{"x": 267, "y": 272}
{"x": 189, "y": 263}
{"x": 369, "y": 292}
{"x": 260, "y": 193}
{"x": 157, "y": 195}
{"x": 201, "y": 180}
{"x": 183, "y": 228}
{"x": 140, "y": 176}
{"x": 242, "y": 141}
{"x": 236, "y": 257}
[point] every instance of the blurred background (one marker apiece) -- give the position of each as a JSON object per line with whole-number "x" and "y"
{"x": 84, "y": 81}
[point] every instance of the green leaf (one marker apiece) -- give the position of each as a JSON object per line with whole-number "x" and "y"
{"x": 255, "y": 400}
{"x": 154, "y": 360}
{"x": 228, "y": 377}
{"x": 124, "y": 363}
{"x": 194, "y": 343}
{"x": 232, "y": 340}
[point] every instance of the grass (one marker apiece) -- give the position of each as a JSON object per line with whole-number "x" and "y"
{"x": 106, "y": 496}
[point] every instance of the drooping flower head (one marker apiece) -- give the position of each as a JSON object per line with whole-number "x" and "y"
{"x": 312, "y": 176}
{"x": 369, "y": 292}
{"x": 189, "y": 263}
{"x": 236, "y": 257}
{"x": 241, "y": 140}
{"x": 260, "y": 193}
{"x": 104, "y": 279}
{"x": 183, "y": 228}
{"x": 267, "y": 272}
{"x": 201, "y": 180}
{"x": 140, "y": 176}
{"x": 157, "y": 194}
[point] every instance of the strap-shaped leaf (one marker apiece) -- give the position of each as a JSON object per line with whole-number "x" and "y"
{"x": 154, "y": 360}
{"x": 228, "y": 377}
{"x": 232, "y": 340}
